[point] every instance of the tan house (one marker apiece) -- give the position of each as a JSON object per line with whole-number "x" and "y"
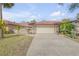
{"x": 11, "y": 26}
{"x": 47, "y": 26}
{"x": 37, "y": 27}
{"x": 26, "y": 28}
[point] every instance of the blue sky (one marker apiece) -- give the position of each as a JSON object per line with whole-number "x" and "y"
{"x": 38, "y": 11}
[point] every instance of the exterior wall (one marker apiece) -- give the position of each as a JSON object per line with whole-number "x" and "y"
{"x": 23, "y": 31}
{"x": 11, "y": 28}
{"x": 76, "y": 27}
{"x": 32, "y": 29}
{"x": 44, "y": 25}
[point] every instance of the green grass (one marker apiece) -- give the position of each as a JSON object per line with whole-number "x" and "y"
{"x": 14, "y": 45}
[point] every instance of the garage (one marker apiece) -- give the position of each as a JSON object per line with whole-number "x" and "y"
{"x": 45, "y": 30}
{"x": 46, "y": 27}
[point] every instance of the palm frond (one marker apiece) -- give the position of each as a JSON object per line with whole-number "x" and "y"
{"x": 73, "y": 6}
{"x": 8, "y": 5}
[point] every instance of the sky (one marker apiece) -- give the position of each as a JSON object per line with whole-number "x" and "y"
{"x": 38, "y": 11}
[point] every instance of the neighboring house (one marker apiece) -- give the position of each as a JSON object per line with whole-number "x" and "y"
{"x": 25, "y": 28}
{"x": 11, "y": 26}
{"x": 76, "y": 23}
{"x": 32, "y": 27}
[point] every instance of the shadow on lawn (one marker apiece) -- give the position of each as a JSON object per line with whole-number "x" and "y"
{"x": 11, "y": 36}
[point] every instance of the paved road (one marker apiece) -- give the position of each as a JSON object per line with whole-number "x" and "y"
{"x": 53, "y": 45}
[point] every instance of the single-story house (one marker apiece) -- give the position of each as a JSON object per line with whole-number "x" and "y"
{"x": 39, "y": 27}
{"x": 11, "y": 26}
{"x": 47, "y": 26}
{"x": 26, "y": 28}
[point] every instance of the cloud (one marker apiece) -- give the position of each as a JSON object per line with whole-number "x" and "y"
{"x": 57, "y": 13}
{"x": 33, "y": 16}
{"x": 17, "y": 14}
{"x": 13, "y": 16}
{"x": 8, "y": 16}
{"x": 20, "y": 16}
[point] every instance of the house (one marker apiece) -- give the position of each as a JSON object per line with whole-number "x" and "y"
{"x": 25, "y": 28}
{"x": 11, "y": 26}
{"x": 37, "y": 27}
{"x": 46, "y": 26}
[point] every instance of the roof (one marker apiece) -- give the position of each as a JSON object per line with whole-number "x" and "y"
{"x": 75, "y": 20}
{"x": 24, "y": 24}
{"x": 10, "y": 22}
{"x": 47, "y": 23}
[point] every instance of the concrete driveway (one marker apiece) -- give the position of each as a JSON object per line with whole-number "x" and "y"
{"x": 50, "y": 44}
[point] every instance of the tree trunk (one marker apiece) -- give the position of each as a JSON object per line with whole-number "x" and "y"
{"x": 1, "y": 30}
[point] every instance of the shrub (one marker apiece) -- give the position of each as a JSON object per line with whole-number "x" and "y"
{"x": 66, "y": 27}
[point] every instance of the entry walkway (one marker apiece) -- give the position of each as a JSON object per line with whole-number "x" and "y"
{"x": 52, "y": 45}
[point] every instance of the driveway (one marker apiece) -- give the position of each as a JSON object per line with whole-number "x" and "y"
{"x": 50, "y": 44}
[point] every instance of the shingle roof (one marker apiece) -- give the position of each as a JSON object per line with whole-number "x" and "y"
{"x": 26, "y": 24}
{"x": 10, "y": 22}
{"x": 47, "y": 23}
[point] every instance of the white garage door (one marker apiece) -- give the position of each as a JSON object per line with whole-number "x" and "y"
{"x": 45, "y": 30}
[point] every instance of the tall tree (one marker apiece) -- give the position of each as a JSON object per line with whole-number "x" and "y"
{"x": 3, "y": 5}
{"x": 72, "y": 6}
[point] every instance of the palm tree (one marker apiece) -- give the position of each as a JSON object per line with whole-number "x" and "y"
{"x": 72, "y": 6}
{"x": 4, "y": 5}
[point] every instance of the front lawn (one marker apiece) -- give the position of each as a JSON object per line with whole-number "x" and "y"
{"x": 14, "y": 45}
